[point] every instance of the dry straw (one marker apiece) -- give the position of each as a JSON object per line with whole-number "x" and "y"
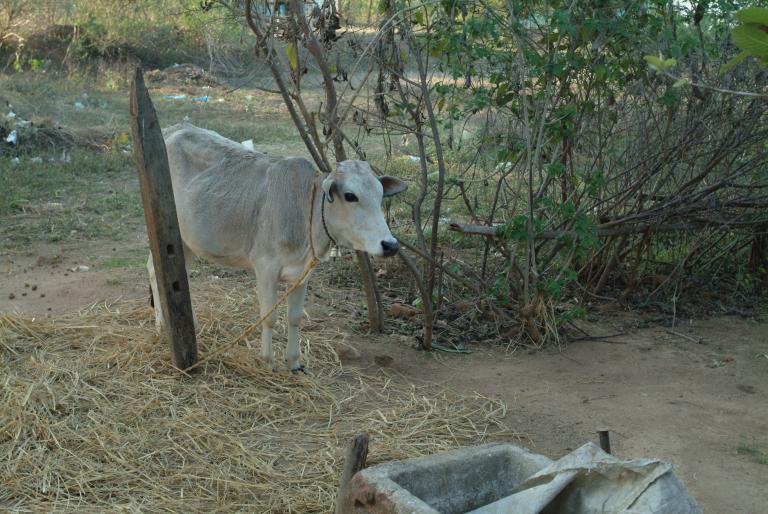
{"x": 94, "y": 418}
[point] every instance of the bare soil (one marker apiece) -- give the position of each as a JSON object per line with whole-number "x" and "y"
{"x": 693, "y": 394}
{"x": 660, "y": 395}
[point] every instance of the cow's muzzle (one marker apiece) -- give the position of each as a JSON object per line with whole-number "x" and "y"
{"x": 390, "y": 248}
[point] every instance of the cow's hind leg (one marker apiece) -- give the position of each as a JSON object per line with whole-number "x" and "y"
{"x": 267, "y": 285}
{"x": 295, "y": 312}
{"x": 159, "y": 321}
{"x": 155, "y": 294}
{"x": 189, "y": 257}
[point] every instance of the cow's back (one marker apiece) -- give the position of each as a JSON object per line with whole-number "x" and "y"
{"x": 233, "y": 202}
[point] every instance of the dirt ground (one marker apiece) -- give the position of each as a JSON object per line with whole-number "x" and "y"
{"x": 694, "y": 394}
{"x": 659, "y": 394}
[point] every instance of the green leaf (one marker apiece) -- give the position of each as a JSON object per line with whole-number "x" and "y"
{"x": 555, "y": 169}
{"x": 753, "y": 15}
{"x": 733, "y": 62}
{"x": 751, "y": 39}
{"x": 653, "y": 61}
{"x": 680, "y": 82}
{"x": 293, "y": 57}
{"x": 657, "y": 63}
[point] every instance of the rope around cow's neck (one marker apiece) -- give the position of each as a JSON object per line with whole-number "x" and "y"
{"x": 322, "y": 216}
{"x": 307, "y": 270}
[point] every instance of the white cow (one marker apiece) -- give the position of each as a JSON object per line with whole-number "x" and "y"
{"x": 240, "y": 208}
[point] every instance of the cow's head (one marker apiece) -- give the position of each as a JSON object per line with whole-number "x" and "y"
{"x": 353, "y": 208}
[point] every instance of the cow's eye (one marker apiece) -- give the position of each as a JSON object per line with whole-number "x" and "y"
{"x": 350, "y": 197}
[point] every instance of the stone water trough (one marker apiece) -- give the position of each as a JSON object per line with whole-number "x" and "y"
{"x": 503, "y": 478}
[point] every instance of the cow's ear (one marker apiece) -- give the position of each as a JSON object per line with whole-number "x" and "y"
{"x": 392, "y": 185}
{"x": 329, "y": 188}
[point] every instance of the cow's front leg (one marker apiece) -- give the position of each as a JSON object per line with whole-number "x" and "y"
{"x": 295, "y": 312}
{"x": 267, "y": 284}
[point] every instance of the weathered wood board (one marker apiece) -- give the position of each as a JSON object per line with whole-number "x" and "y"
{"x": 162, "y": 225}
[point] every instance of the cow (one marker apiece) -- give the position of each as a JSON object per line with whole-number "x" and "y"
{"x": 241, "y": 208}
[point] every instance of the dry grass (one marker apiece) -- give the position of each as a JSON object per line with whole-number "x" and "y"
{"x": 93, "y": 417}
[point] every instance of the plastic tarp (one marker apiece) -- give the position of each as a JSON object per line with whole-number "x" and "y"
{"x": 588, "y": 480}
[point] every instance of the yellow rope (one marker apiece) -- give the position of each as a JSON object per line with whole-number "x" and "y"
{"x": 248, "y": 331}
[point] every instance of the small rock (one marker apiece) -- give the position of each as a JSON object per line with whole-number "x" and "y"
{"x": 398, "y": 310}
{"x": 34, "y": 287}
{"x": 79, "y": 268}
{"x": 384, "y": 361}
{"x": 463, "y": 306}
{"x": 347, "y": 353}
{"x": 11, "y": 296}
{"x": 42, "y": 260}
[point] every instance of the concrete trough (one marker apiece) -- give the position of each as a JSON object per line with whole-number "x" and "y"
{"x": 502, "y": 478}
{"x": 454, "y": 482}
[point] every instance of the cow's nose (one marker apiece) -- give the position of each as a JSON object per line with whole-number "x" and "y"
{"x": 390, "y": 248}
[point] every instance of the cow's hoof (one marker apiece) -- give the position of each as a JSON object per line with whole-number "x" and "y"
{"x": 299, "y": 368}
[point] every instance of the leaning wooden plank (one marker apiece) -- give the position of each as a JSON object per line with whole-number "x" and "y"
{"x": 162, "y": 225}
{"x": 357, "y": 454}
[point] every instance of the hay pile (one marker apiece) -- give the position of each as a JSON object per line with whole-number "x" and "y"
{"x": 92, "y": 416}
